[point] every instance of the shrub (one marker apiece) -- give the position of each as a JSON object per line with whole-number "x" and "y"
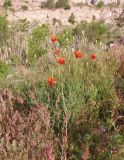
{"x": 94, "y": 31}
{"x": 7, "y": 3}
{"x": 49, "y": 4}
{"x": 62, "y": 4}
{"x": 24, "y": 7}
{"x": 97, "y": 31}
{"x": 100, "y": 4}
{"x": 71, "y": 19}
{"x": 36, "y": 44}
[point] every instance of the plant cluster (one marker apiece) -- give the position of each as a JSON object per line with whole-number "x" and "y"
{"x": 96, "y": 31}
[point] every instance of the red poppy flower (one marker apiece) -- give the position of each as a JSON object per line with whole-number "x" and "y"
{"x": 54, "y": 39}
{"x": 78, "y": 54}
{"x": 56, "y": 51}
{"x": 52, "y": 81}
{"x": 61, "y": 60}
{"x": 93, "y": 56}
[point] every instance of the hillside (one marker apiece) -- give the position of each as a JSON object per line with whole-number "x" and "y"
{"x": 32, "y": 10}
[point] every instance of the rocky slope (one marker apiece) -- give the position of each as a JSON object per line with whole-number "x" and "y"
{"x": 35, "y": 12}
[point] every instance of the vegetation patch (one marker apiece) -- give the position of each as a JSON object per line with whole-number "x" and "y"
{"x": 63, "y": 103}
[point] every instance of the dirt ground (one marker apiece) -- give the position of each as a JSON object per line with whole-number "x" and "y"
{"x": 84, "y": 13}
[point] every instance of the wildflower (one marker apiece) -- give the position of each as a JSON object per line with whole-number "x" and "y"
{"x": 54, "y": 39}
{"x": 93, "y": 56}
{"x": 52, "y": 81}
{"x": 61, "y": 61}
{"x": 78, "y": 54}
{"x": 56, "y": 51}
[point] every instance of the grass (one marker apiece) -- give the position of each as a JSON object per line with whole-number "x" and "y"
{"x": 75, "y": 115}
